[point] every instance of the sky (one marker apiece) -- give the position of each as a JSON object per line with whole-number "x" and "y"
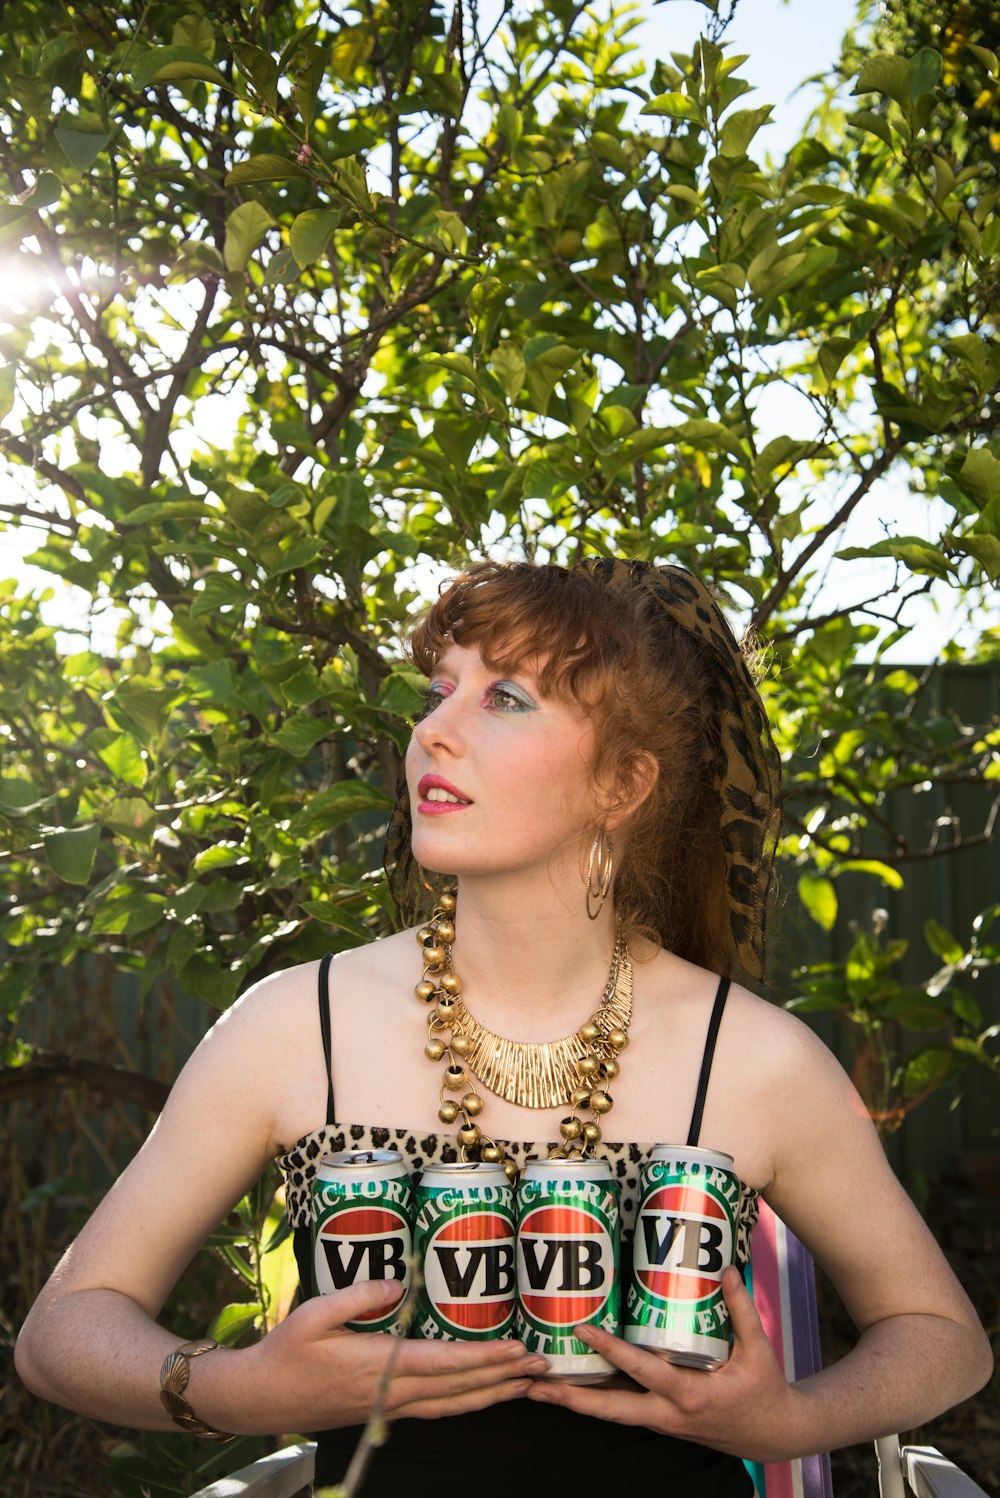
{"x": 787, "y": 41}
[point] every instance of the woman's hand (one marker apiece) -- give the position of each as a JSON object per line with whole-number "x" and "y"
{"x": 746, "y": 1408}
{"x": 313, "y": 1373}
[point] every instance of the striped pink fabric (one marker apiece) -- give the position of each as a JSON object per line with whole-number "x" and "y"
{"x": 784, "y": 1289}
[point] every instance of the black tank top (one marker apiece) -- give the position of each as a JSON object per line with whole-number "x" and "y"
{"x": 532, "y": 1450}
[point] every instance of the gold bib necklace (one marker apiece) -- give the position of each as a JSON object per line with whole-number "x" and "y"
{"x": 532, "y": 1074}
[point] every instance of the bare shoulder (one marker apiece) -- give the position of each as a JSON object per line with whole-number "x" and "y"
{"x": 267, "y": 1046}
{"x": 780, "y": 1058}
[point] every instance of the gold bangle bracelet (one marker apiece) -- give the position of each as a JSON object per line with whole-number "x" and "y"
{"x": 174, "y": 1377}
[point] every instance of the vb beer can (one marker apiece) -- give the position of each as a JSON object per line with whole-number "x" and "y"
{"x": 567, "y": 1262}
{"x": 685, "y": 1238}
{"x": 463, "y": 1239}
{"x": 363, "y": 1228}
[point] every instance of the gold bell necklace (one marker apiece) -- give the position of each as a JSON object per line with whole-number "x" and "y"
{"x": 534, "y": 1074}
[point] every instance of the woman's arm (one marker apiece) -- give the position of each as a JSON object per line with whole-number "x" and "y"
{"x": 91, "y": 1341}
{"x": 921, "y": 1348}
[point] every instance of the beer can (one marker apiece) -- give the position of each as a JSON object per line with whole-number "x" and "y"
{"x": 463, "y": 1239}
{"x": 685, "y": 1238}
{"x": 363, "y": 1228}
{"x": 567, "y": 1263}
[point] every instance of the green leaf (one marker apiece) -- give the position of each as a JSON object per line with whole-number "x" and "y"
{"x": 124, "y": 759}
{"x": 281, "y": 270}
{"x": 81, "y": 147}
{"x": 875, "y": 124}
{"x": 328, "y": 913}
{"x": 740, "y": 129}
{"x": 889, "y": 876}
{"x": 262, "y": 71}
{"x": 171, "y": 509}
{"x": 453, "y": 233}
{"x": 175, "y": 65}
{"x": 942, "y": 943}
{"x": 820, "y": 899}
{"x": 17, "y": 793}
{"x": 927, "y": 1070}
{"x": 913, "y": 1009}
{"x": 70, "y": 854}
{"x": 221, "y": 591}
{"x": 341, "y": 802}
{"x": 245, "y": 228}
{"x": 310, "y": 234}
{"x": 265, "y": 167}
{"x": 886, "y": 73}
{"x": 543, "y": 373}
{"x": 299, "y": 734}
{"x": 832, "y": 355}
{"x": 129, "y": 912}
{"x": 402, "y": 693}
{"x": 675, "y": 106}
{"x": 509, "y": 366}
{"x": 980, "y": 475}
{"x": 609, "y": 149}
{"x": 8, "y": 389}
{"x": 510, "y": 124}
{"x": 985, "y": 549}
{"x": 925, "y": 71}
{"x": 232, "y": 1323}
{"x": 221, "y": 855}
{"x": 131, "y": 817}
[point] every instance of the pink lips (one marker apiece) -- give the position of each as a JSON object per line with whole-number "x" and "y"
{"x": 437, "y": 783}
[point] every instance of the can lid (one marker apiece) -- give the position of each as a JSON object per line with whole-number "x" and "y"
{"x": 360, "y": 1159}
{"x": 587, "y": 1170}
{"x": 463, "y": 1165}
{"x": 691, "y": 1152}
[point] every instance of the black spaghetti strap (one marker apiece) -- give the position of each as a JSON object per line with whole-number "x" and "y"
{"x": 706, "y": 1062}
{"x": 324, "y": 1025}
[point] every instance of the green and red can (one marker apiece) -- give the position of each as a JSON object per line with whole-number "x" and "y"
{"x": 463, "y": 1239}
{"x": 685, "y": 1239}
{"x": 363, "y": 1228}
{"x": 567, "y": 1262}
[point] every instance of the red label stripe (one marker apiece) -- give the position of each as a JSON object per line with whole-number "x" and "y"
{"x": 562, "y": 1222}
{"x": 686, "y": 1199}
{"x": 669, "y": 1286}
{"x": 477, "y": 1315}
{"x": 476, "y": 1227}
{"x": 361, "y": 1222}
{"x": 562, "y": 1310}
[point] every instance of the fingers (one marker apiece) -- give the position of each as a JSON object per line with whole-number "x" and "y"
{"x": 482, "y": 1383}
{"x": 623, "y": 1406}
{"x": 747, "y": 1326}
{"x": 328, "y": 1313}
{"x": 650, "y": 1369}
{"x": 429, "y": 1357}
{"x": 464, "y": 1403}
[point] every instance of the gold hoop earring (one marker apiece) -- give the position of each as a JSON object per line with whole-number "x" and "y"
{"x": 600, "y": 872}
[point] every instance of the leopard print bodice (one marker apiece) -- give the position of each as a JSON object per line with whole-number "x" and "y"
{"x": 298, "y": 1166}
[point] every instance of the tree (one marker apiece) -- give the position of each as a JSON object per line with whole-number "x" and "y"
{"x": 464, "y": 288}
{"x": 316, "y": 301}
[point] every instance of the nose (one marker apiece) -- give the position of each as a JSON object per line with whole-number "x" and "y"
{"x": 442, "y": 728}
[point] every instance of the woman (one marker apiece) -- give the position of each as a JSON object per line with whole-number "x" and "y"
{"x": 595, "y": 770}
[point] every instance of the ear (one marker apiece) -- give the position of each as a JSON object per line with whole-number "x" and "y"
{"x": 636, "y": 778}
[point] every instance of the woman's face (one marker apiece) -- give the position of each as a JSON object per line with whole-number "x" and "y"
{"x": 499, "y": 775}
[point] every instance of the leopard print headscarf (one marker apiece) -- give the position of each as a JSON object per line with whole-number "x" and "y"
{"x": 749, "y": 781}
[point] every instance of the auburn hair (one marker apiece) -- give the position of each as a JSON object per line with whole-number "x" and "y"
{"x": 650, "y": 688}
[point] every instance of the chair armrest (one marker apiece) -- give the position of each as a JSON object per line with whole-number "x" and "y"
{"x": 932, "y": 1475}
{"x": 280, "y": 1475}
